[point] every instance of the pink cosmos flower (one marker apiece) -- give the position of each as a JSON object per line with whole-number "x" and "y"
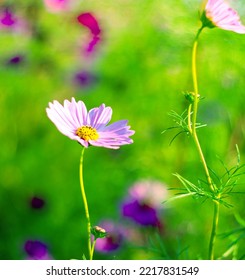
{"x": 89, "y": 127}
{"x": 219, "y": 13}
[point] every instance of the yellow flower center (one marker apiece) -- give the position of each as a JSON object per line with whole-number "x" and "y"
{"x": 87, "y": 133}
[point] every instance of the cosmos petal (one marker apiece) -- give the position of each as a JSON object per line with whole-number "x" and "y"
{"x": 220, "y": 14}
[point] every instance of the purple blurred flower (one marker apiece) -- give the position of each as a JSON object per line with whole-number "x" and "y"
{"x": 89, "y": 128}
{"x": 36, "y": 250}
{"x": 37, "y": 202}
{"x": 113, "y": 240}
{"x": 84, "y": 79}
{"x": 56, "y": 6}
{"x": 89, "y": 21}
{"x": 17, "y": 59}
{"x": 140, "y": 213}
{"x": 144, "y": 202}
{"x": 219, "y": 13}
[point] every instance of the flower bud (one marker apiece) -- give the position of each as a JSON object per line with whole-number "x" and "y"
{"x": 189, "y": 96}
{"x": 98, "y": 232}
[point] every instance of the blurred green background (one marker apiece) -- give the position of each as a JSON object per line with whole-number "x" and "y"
{"x": 141, "y": 67}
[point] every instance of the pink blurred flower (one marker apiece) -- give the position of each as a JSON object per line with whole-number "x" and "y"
{"x": 89, "y": 21}
{"x": 113, "y": 240}
{"x": 149, "y": 191}
{"x": 10, "y": 21}
{"x": 89, "y": 128}
{"x": 7, "y": 19}
{"x": 219, "y": 13}
{"x": 91, "y": 45}
{"x": 56, "y": 6}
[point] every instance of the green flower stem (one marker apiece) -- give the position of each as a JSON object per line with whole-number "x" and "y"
{"x": 192, "y": 130}
{"x": 189, "y": 118}
{"x": 92, "y": 249}
{"x": 214, "y": 229}
{"x": 195, "y": 109}
{"x": 85, "y": 206}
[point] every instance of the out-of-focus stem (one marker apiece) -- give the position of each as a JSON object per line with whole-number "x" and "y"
{"x": 214, "y": 229}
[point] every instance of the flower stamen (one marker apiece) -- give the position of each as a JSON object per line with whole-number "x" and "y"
{"x": 87, "y": 133}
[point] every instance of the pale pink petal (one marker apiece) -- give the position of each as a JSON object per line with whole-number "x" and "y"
{"x": 223, "y": 16}
{"x": 56, "y": 6}
{"x": 59, "y": 112}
